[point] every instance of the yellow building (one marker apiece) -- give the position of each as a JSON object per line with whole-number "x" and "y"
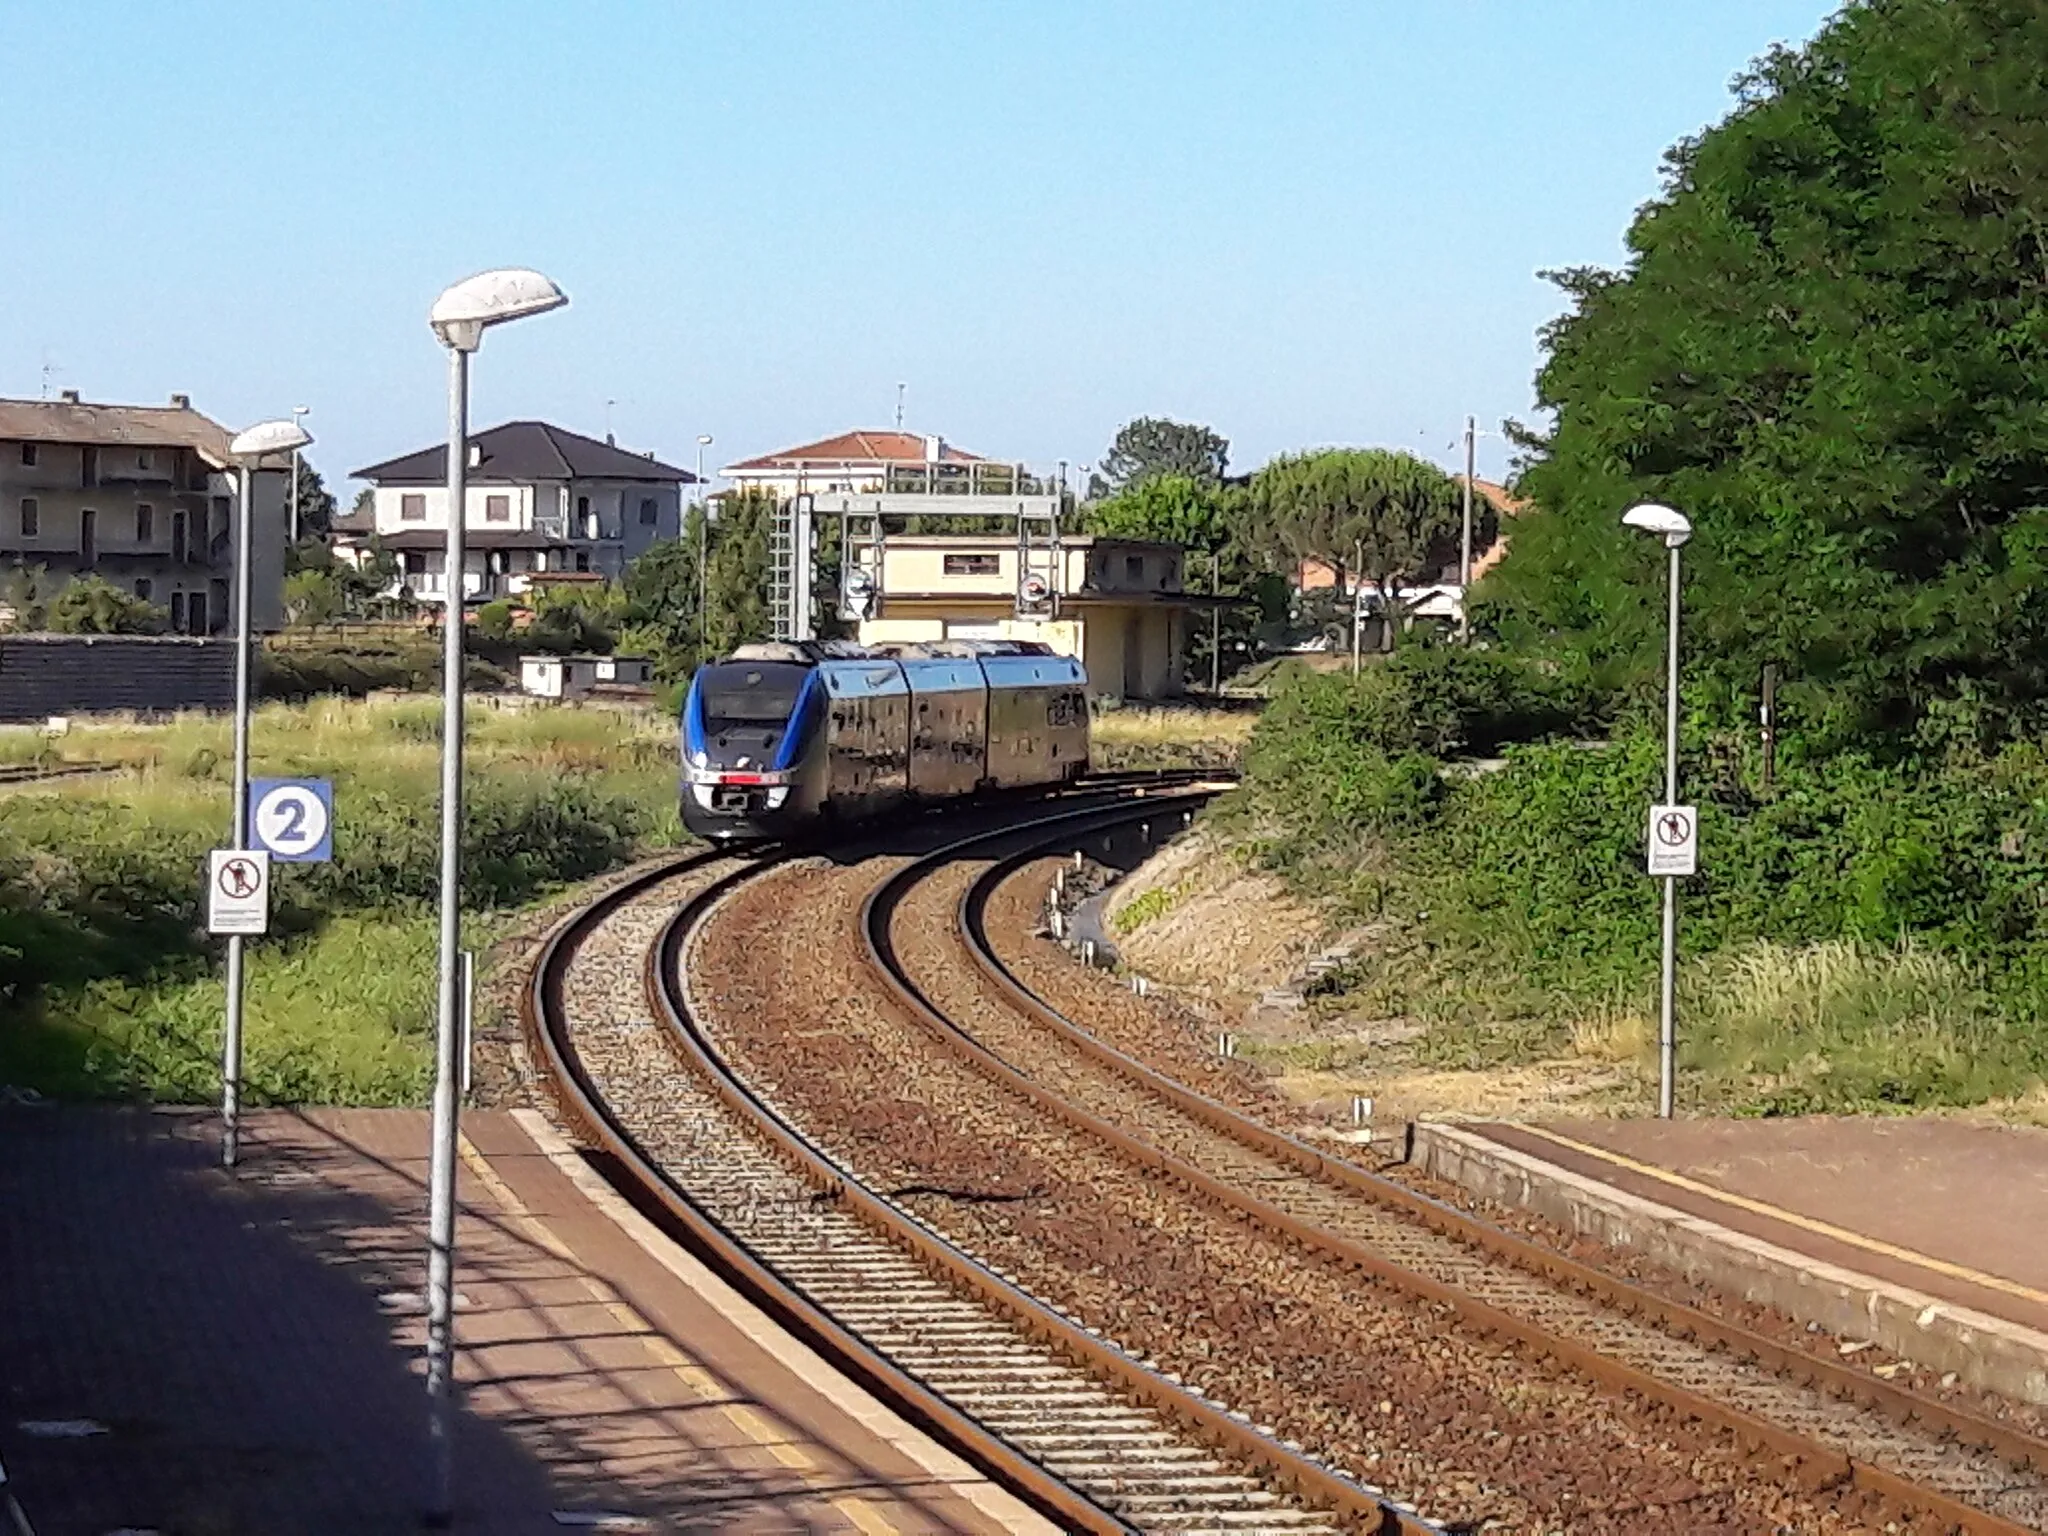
{"x": 1115, "y": 604}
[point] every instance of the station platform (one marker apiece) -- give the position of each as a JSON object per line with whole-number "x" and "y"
{"x": 187, "y": 1350}
{"x": 1926, "y": 1236}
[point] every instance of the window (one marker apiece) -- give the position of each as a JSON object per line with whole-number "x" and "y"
{"x": 177, "y": 613}
{"x": 145, "y": 460}
{"x": 145, "y": 524}
{"x": 582, "y": 559}
{"x": 31, "y": 517}
{"x": 412, "y": 507}
{"x": 582, "y": 507}
{"x": 973, "y": 565}
{"x": 1134, "y": 567}
{"x": 143, "y": 588}
{"x": 497, "y": 509}
{"x": 650, "y": 512}
{"x": 28, "y": 454}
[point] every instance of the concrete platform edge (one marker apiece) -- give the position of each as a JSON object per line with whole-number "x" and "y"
{"x": 846, "y": 1395}
{"x": 1985, "y": 1351}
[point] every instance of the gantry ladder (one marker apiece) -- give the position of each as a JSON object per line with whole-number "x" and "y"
{"x": 1038, "y": 559}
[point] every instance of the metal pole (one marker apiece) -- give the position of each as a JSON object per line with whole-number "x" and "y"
{"x": 1465, "y": 549}
{"x": 295, "y": 493}
{"x": 238, "y": 836}
{"x": 1215, "y": 624}
{"x": 1769, "y": 715}
{"x": 703, "y": 560}
{"x": 1667, "y": 1034}
{"x": 1357, "y": 615}
{"x": 441, "y": 1170}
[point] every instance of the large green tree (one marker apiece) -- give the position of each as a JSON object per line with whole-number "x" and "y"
{"x": 1381, "y": 515}
{"x": 1827, "y": 349}
{"x": 1153, "y": 445}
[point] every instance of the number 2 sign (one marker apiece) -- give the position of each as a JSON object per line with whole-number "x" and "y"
{"x": 292, "y": 819}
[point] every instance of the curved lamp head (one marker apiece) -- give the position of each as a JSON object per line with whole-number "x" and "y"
{"x": 460, "y": 314}
{"x": 266, "y": 438}
{"x": 1650, "y": 517}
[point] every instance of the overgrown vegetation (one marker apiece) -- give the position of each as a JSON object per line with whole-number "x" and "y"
{"x": 107, "y": 985}
{"x": 1870, "y": 931}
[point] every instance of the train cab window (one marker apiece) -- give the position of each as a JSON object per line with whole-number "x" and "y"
{"x": 740, "y": 693}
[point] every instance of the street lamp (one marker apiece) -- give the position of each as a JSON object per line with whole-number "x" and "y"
{"x": 703, "y": 552}
{"x": 1675, "y": 528}
{"x": 459, "y": 318}
{"x": 298, "y": 413}
{"x": 247, "y": 450}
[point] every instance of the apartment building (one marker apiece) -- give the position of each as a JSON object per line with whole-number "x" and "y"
{"x": 142, "y": 496}
{"x": 540, "y": 500}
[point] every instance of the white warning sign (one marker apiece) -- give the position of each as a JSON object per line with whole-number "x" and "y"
{"x": 1674, "y": 840}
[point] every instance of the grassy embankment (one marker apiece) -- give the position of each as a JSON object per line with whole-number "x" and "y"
{"x": 1169, "y": 736}
{"x": 107, "y": 987}
{"x": 1870, "y": 933}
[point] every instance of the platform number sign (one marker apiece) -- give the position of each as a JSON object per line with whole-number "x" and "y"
{"x": 1674, "y": 840}
{"x": 292, "y": 819}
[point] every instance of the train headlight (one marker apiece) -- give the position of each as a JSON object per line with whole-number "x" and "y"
{"x": 776, "y": 797}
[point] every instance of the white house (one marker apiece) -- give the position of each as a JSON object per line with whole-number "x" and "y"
{"x": 871, "y": 462}
{"x": 539, "y": 499}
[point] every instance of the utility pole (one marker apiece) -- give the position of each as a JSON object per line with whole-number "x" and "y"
{"x": 1465, "y": 548}
{"x": 1215, "y": 624}
{"x": 1357, "y": 603}
{"x": 298, "y": 412}
{"x": 703, "y": 554}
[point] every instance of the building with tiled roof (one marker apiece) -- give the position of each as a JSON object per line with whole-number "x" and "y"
{"x": 859, "y": 461}
{"x": 540, "y": 501}
{"x": 142, "y": 496}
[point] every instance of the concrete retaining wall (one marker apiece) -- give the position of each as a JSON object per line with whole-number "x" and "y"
{"x": 44, "y": 675}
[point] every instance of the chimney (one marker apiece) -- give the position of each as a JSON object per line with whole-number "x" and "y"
{"x": 68, "y": 396}
{"x": 933, "y": 447}
{"x": 610, "y": 441}
{"x": 181, "y": 402}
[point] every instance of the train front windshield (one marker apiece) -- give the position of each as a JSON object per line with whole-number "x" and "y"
{"x": 748, "y": 695}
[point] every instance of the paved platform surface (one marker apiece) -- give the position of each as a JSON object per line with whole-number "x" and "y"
{"x": 196, "y": 1353}
{"x": 1955, "y": 1210}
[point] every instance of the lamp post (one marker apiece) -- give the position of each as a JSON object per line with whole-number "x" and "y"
{"x": 459, "y": 318}
{"x": 703, "y": 553}
{"x": 298, "y": 413}
{"x": 1675, "y": 528}
{"x": 247, "y": 450}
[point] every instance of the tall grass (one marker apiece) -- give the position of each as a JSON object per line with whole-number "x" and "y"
{"x": 1844, "y": 1025}
{"x": 1169, "y": 737}
{"x": 100, "y": 885}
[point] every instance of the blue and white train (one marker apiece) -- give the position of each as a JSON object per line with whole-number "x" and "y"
{"x": 782, "y": 739}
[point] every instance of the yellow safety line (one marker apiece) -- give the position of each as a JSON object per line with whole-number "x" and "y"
{"x": 700, "y": 1382}
{"x": 865, "y": 1517}
{"x": 1793, "y": 1218}
{"x": 771, "y": 1439}
{"x": 501, "y": 1192}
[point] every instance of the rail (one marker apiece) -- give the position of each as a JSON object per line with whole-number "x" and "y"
{"x": 550, "y": 1033}
{"x": 1830, "y": 1376}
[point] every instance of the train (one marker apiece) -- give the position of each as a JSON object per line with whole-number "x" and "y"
{"x": 789, "y": 739}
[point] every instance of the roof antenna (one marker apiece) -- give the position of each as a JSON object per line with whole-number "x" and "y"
{"x": 609, "y": 439}
{"x": 48, "y": 368}
{"x": 899, "y": 405}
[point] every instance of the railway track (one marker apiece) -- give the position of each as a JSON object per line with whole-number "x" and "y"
{"x": 1097, "y": 1438}
{"x": 1089, "y": 1435}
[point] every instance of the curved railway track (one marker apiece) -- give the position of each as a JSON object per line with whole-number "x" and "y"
{"x": 1093, "y": 1436}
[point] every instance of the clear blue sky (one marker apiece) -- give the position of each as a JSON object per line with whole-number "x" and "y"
{"x": 1300, "y": 223}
